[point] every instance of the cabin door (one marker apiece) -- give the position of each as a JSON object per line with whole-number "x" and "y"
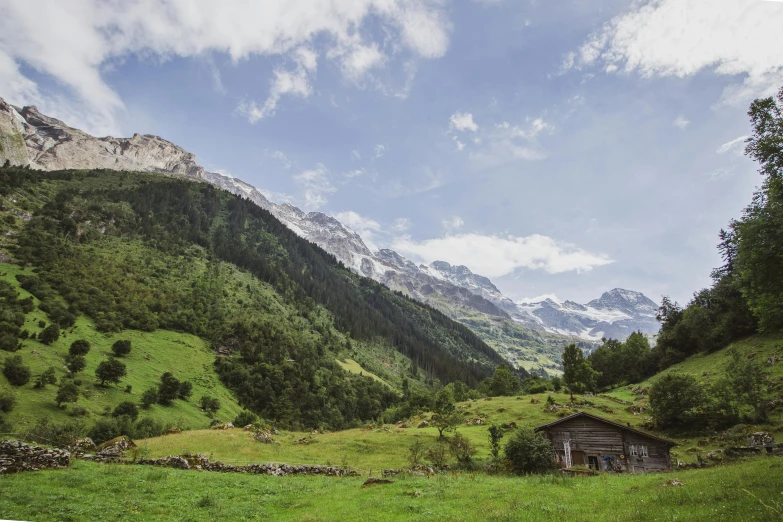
{"x": 578, "y": 458}
{"x": 592, "y": 462}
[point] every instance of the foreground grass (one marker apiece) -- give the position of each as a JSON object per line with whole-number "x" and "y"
{"x": 89, "y": 491}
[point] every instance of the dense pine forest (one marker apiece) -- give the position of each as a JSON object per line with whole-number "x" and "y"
{"x": 147, "y": 252}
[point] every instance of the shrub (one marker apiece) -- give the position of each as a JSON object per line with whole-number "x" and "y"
{"x": 59, "y": 435}
{"x": 126, "y": 408}
{"x": 185, "y": 390}
{"x": 673, "y": 399}
{"x": 149, "y": 397}
{"x": 462, "y": 449}
{"x": 67, "y": 393}
{"x": 245, "y": 418}
{"x": 79, "y": 347}
{"x": 438, "y": 456}
{"x": 209, "y": 404}
{"x": 9, "y": 343}
{"x": 105, "y": 429}
{"x": 7, "y": 402}
{"x": 529, "y": 452}
{"x": 75, "y": 363}
{"x": 15, "y": 371}
{"x": 168, "y": 389}
{"x": 79, "y": 411}
{"x": 50, "y": 334}
{"x": 47, "y": 377}
{"x": 110, "y": 370}
{"x": 416, "y": 453}
{"x": 147, "y": 427}
{"x": 121, "y": 348}
{"x": 495, "y": 433}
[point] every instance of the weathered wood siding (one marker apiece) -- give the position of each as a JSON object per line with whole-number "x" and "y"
{"x": 592, "y": 438}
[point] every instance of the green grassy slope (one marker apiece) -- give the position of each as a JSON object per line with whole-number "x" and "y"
{"x": 709, "y": 368}
{"x": 87, "y": 491}
{"x": 387, "y": 446}
{"x": 186, "y": 356}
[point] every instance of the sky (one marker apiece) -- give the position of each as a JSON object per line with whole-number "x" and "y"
{"x": 559, "y": 147}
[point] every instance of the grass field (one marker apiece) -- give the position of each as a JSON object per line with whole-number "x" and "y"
{"x": 351, "y": 366}
{"x": 387, "y": 446}
{"x": 89, "y": 491}
{"x": 186, "y": 356}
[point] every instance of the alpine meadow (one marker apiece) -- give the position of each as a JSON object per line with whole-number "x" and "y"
{"x": 352, "y": 309}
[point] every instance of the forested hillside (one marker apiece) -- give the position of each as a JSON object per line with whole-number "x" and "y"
{"x": 147, "y": 252}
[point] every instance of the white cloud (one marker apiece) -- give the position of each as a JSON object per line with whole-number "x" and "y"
{"x": 75, "y": 41}
{"x": 495, "y": 256}
{"x": 364, "y": 226}
{"x": 539, "y": 298}
{"x": 355, "y": 173}
{"x": 316, "y": 186}
{"x": 463, "y": 122}
{"x": 506, "y": 142}
{"x": 380, "y": 150}
{"x": 401, "y": 225}
{"x": 355, "y": 154}
{"x": 452, "y": 223}
{"x": 737, "y": 146}
{"x": 681, "y": 38}
{"x": 279, "y": 156}
{"x": 295, "y": 82}
{"x": 680, "y": 122}
{"x": 722, "y": 172}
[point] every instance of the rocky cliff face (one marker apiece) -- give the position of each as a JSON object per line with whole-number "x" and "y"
{"x": 50, "y": 144}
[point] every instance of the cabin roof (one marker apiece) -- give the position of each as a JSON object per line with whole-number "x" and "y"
{"x": 605, "y": 421}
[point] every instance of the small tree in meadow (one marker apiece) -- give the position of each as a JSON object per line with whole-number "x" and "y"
{"x": 168, "y": 389}
{"x": 445, "y": 416}
{"x": 149, "y": 397}
{"x": 47, "y": 377}
{"x": 110, "y": 370}
{"x": 529, "y": 452}
{"x": 79, "y": 347}
{"x": 50, "y": 334}
{"x": 16, "y": 371}
{"x": 126, "y": 408}
{"x": 121, "y": 348}
{"x": 75, "y": 363}
{"x": 495, "y": 433}
{"x": 209, "y": 404}
{"x": 67, "y": 393}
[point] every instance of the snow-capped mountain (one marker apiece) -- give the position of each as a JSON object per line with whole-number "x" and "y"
{"x": 521, "y": 332}
{"x": 616, "y": 314}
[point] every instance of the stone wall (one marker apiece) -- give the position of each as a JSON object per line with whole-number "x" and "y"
{"x": 18, "y": 456}
{"x": 202, "y": 463}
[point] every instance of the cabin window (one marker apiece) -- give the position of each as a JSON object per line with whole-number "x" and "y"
{"x": 633, "y": 449}
{"x": 642, "y": 450}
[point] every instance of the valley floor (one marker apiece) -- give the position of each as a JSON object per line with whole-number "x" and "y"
{"x": 751, "y": 490}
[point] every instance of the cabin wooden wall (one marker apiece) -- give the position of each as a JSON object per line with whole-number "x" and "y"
{"x": 591, "y": 437}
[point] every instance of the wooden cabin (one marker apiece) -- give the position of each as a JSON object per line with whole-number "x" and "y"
{"x": 583, "y": 439}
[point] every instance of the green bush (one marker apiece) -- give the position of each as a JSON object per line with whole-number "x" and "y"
{"x": 121, "y": 348}
{"x": 462, "y": 449}
{"x": 58, "y": 435}
{"x": 529, "y": 452}
{"x": 673, "y": 399}
{"x": 149, "y": 397}
{"x": 15, "y": 371}
{"x": 126, "y": 408}
{"x": 168, "y": 389}
{"x": 67, "y": 393}
{"x": 7, "y": 402}
{"x": 245, "y": 418}
{"x": 47, "y": 377}
{"x": 110, "y": 370}
{"x": 75, "y": 363}
{"x": 50, "y": 334}
{"x": 79, "y": 347}
{"x": 185, "y": 390}
{"x": 209, "y": 404}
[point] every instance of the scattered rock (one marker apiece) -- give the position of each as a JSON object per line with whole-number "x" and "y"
{"x": 202, "y": 463}
{"x": 673, "y": 482}
{"x": 81, "y": 446}
{"x": 535, "y": 401}
{"x": 174, "y": 430}
{"x": 423, "y": 424}
{"x": 263, "y": 436}
{"x": 226, "y": 426}
{"x": 715, "y": 454}
{"x": 249, "y": 427}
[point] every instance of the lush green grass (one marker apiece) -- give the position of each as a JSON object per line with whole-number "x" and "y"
{"x": 388, "y": 446}
{"x": 152, "y": 353}
{"x": 90, "y": 491}
{"x": 351, "y": 366}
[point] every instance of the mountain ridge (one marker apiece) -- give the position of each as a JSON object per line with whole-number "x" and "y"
{"x": 28, "y": 137}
